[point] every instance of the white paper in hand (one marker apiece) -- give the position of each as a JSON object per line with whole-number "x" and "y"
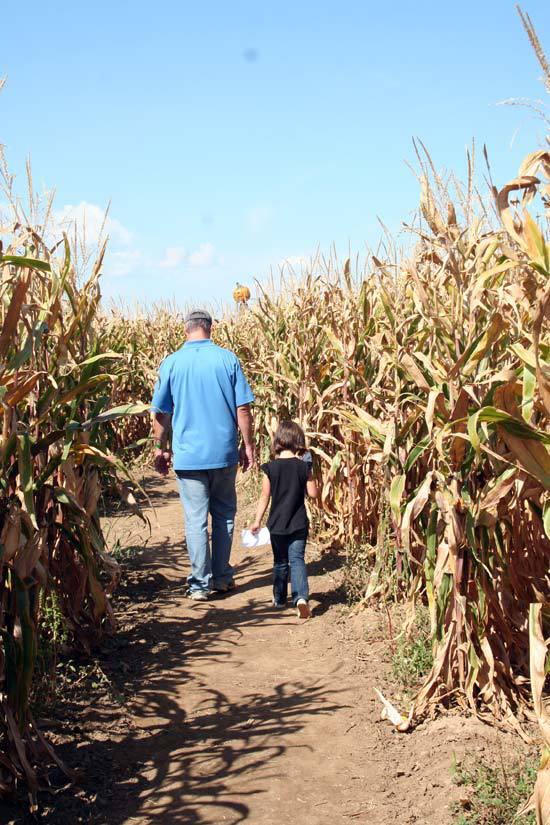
{"x": 249, "y": 539}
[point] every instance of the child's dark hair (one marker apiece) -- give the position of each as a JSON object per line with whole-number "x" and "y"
{"x": 289, "y": 436}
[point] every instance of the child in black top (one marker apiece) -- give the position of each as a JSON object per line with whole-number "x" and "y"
{"x": 287, "y": 479}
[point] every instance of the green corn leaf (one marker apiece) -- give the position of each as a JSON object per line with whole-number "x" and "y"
{"x": 118, "y": 412}
{"x": 28, "y": 652}
{"x": 81, "y": 389}
{"x": 527, "y": 356}
{"x": 102, "y": 356}
{"x": 515, "y": 426}
{"x": 396, "y": 493}
{"x": 22, "y": 261}
{"x": 529, "y": 383}
{"x": 416, "y": 452}
{"x": 25, "y": 474}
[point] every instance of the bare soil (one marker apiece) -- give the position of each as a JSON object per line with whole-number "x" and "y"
{"x": 230, "y": 711}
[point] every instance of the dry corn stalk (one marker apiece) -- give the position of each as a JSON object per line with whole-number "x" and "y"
{"x": 55, "y": 394}
{"x": 540, "y": 798}
{"x": 422, "y": 383}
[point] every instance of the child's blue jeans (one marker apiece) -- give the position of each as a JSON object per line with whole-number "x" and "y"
{"x": 289, "y": 552}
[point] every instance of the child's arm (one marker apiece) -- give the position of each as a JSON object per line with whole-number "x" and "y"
{"x": 262, "y": 505}
{"x": 311, "y": 488}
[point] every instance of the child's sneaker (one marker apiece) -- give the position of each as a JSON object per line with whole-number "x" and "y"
{"x": 302, "y": 609}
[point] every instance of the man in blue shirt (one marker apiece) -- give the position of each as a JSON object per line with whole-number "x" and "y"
{"x": 203, "y": 394}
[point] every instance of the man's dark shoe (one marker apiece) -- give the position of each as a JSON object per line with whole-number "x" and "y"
{"x": 223, "y": 587}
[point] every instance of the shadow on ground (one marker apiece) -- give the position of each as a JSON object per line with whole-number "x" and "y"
{"x": 185, "y": 769}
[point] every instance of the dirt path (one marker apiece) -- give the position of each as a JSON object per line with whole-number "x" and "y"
{"x": 233, "y": 712}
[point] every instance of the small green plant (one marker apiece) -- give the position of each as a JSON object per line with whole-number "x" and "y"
{"x": 52, "y": 621}
{"x": 371, "y": 569}
{"x": 494, "y": 794}
{"x": 121, "y": 552}
{"x": 412, "y": 659}
{"x": 55, "y": 674}
{"x": 53, "y": 634}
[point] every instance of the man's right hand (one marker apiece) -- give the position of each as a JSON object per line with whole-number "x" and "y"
{"x": 247, "y": 458}
{"x": 162, "y": 461}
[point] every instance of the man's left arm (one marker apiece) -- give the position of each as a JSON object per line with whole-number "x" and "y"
{"x": 161, "y": 434}
{"x": 246, "y": 426}
{"x": 244, "y": 397}
{"x": 162, "y": 405}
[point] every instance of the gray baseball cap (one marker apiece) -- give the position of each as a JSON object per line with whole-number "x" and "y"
{"x": 198, "y": 315}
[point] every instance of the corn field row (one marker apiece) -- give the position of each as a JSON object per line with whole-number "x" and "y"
{"x": 425, "y": 393}
{"x": 423, "y": 383}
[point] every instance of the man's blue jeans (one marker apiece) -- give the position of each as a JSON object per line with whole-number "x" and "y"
{"x": 203, "y": 492}
{"x": 289, "y": 551}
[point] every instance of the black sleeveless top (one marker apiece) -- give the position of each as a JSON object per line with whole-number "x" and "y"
{"x": 288, "y": 478}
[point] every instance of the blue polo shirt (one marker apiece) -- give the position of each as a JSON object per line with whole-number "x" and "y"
{"x": 200, "y": 386}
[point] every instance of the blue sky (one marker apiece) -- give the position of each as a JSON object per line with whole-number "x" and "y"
{"x": 229, "y": 136}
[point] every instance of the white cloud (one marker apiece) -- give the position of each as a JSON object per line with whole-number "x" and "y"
{"x": 123, "y": 262}
{"x": 173, "y": 256}
{"x": 258, "y": 218}
{"x": 203, "y": 256}
{"x": 91, "y": 223}
{"x": 123, "y": 258}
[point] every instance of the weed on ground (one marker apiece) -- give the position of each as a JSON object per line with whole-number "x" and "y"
{"x": 493, "y": 794}
{"x": 412, "y": 658}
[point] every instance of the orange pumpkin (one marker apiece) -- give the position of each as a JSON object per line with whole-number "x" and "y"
{"x": 241, "y": 294}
